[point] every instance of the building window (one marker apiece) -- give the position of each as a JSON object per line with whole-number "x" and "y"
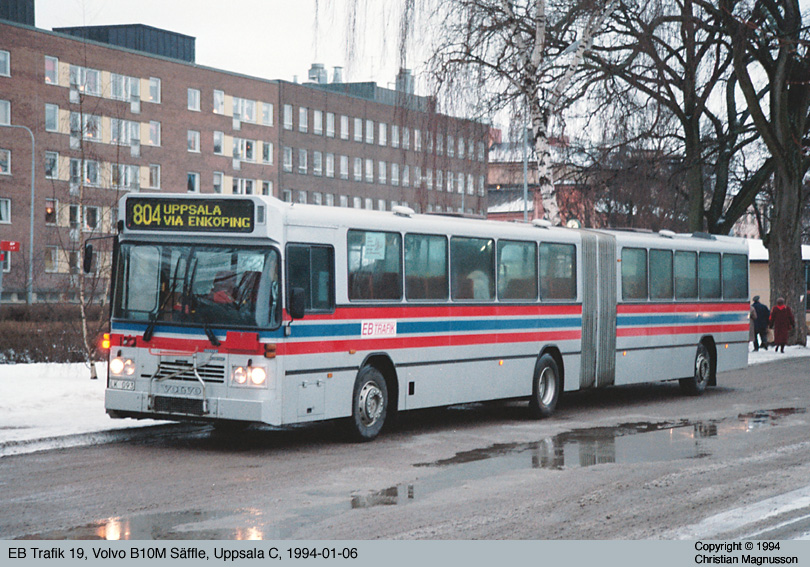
{"x": 5, "y": 112}
{"x": 302, "y": 161}
{"x": 5, "y": 162}
{"x": 51, "y": 165}
{"x": 244, "y": 149}
{"x": 193, "y": 141}
{"x": 330, "y": 165}
{"x": 287, "y": 195}
{"x": 124, "y": 132}
{"x": 5, "y": 63}
{"x": 394, "y": 136}
{"x": 369, "y": 170}
{"x": 344, "y": 127}
{"x": 50, "y": 211}
{"x": 51, "y": 259}
{"x": 450, "y": 146}
{"x": 317, "y": 122}
{"x": 267, "y": 114}
{"x": 369, "y": 131}
{"x": 154, "y": 175}
{"x": 194, "y": 99}
{"x": 154, "y": 133}
{"x": 406, "y": 181}
{"x": 219, "y": 142}
{"x": 244, "y": 110}
{"x": 267, "y": 152}
{"x": 303, "y": 124}
{"x": 219, "y": 102}
{"x": 91, "y": 218}
{"x": 88, "y": 126}
{"x": 317, "y": 198}
{"x": 302, "y": 197}
{"x": 344, "y": 167}
{"x": 395, "y": 174}
{"x": 218, "y": 182}
{"x": 358, "y": 129}
{"x": 5, "y": 211}
{"x": 287, "y": 164}
{"x": 381, "y": 172}
{"x": 343, "y": 200}
{"x": 154, "y": 90}
{"x": 267, "y": 188}
{"x": 317, "y": 164}
{"x": 51, "y": 70}
{"x": 330, "y": 124}
{"x": 382, "y": 136}
{"x": 406, "y": 138}
{"x": 242, "y": 186}
{"x": 417, "y": 140}
{"x": 357, "y": 202}
{"x": 330, "y": 200}
{"x": 288, "y": 117}
{"x": 193, "y": 182}
{"x": 358, "y": 169}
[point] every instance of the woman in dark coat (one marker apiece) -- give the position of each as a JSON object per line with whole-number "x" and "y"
{"x": 782, "y": 323}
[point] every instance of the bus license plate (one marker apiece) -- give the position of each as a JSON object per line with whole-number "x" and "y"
{"x": 122, "y": 384}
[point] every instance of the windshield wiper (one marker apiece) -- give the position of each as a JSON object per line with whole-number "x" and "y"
{"x": 210, "y": 334}
{"x": 150, "y": 329}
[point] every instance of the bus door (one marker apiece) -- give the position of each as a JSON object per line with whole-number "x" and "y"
{"x": 598, "y": 366}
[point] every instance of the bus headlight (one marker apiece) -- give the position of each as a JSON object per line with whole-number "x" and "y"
{"x": 249, "y": 375}
{"x": 122, "y": 367}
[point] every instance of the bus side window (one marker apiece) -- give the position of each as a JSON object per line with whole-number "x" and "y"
{"x": 472, "y": 263}
{"x": 686, "y": 275}
{"x": 634, "y": 273}
{"x": 661, "y": 272}
{"x": 558, "y": 272}
{"x": 517, "y": 270}
{"x": 311, "y": 268}
{"x": 735, "y": 276}
{"x": 375, "y": 265}
{"x": 709, "y": 275}
{"x": 425, "y": 266}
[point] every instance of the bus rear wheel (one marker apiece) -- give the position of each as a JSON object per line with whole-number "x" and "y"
{"x": 696, "y": 384}
{"x": 369, "y": 404}
{"x": 546, "y": 387}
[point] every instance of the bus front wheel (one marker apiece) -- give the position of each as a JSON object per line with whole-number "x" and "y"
{"x": 696, "y": 384}
{"x": 369, "y": 404}
{"x": 546, "y": 387}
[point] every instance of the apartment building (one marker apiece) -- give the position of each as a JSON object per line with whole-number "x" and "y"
{"x": 107, "y": 119}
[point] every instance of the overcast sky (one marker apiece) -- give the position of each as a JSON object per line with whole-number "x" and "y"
{"x": 271, "y": 39}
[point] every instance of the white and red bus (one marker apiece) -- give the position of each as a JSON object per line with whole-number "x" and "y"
{"x": 247, "y": 309}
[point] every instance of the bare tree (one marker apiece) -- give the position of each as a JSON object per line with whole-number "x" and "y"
{"x": 770, "y": 45}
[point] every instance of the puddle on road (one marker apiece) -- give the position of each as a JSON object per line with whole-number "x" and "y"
{"x": 626, "y": 443}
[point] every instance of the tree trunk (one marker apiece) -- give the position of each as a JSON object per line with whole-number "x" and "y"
{"x": 786, "y": 271}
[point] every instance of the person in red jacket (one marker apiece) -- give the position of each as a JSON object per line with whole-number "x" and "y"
{"x": 781, "y": 322}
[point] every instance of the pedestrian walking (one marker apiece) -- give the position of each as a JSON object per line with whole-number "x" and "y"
{"x": 760, "y": 324}
{"x": 781, "y": 321}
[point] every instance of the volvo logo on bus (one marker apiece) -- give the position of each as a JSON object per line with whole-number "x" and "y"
{"x": 182, "y": 390}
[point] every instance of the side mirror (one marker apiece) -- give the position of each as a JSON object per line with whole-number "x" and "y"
{"x": 298, "y": 302}
{"x": 87, "y": 263}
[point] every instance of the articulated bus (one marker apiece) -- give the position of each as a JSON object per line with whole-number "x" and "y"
{"x": 246, "y": 309}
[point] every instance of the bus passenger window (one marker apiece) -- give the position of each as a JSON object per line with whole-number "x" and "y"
{"x": 709, "y": 275}
{"x": 558, "y": 272}
{"x": 375, "y": 265}
{"x": 661, "y": 274}
{"x": 634, "y": 273}
{"x": 517, "y": 270}
{"x": 685, "y": 275}
{"x": 425, "y": 267}
{"x": 735, "y": 276}
{"x": 312, "y": 269}
{"x": 473, "y": 268}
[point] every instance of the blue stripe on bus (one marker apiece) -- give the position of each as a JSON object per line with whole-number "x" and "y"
{"x": 678, "y": 319}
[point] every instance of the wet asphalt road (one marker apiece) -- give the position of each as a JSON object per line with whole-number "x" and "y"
{"x": 623, "y": 463}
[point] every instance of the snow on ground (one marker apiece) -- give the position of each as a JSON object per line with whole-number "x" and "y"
{"x": 48, "y": 405}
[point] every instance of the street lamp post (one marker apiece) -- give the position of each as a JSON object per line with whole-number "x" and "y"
{"x": 29, "y": 285}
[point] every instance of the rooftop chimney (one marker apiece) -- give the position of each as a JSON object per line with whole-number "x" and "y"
{"x": 318, "y": 74}
{"x": 337, "y": 77}
{"x": 404, "y": 82}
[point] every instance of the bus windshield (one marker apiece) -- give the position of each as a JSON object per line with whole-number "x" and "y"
{"x": 205, "y": 285}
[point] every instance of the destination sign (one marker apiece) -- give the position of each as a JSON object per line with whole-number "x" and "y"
{"x": 190, "y": 215}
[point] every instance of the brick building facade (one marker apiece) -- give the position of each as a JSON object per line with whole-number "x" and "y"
{"x": 107, "y": 120}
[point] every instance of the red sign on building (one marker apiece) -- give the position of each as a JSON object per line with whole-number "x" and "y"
{"x": 9, "y": 246}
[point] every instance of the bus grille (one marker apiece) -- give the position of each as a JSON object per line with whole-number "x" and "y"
{"x": 166, "y": 404}
{"x": 184, "y": 370}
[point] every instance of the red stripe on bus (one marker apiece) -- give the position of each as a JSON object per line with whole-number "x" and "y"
{"x": 314, "y": 347}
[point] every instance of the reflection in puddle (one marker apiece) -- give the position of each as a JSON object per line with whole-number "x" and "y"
{"x": 623, "y": 444}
